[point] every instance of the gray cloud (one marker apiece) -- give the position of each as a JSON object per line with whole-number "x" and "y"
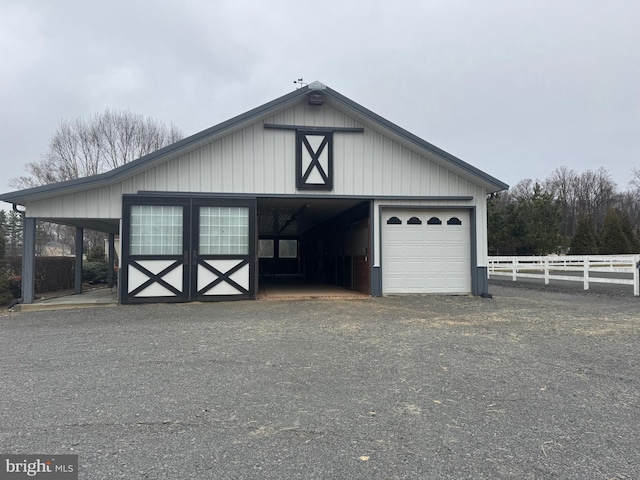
{"x": 514, "y": 88}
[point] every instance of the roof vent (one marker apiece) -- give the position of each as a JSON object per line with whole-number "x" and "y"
{"x": 316, "y": 98}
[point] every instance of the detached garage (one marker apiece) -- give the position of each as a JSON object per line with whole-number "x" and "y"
{"x": 311, "y": 187}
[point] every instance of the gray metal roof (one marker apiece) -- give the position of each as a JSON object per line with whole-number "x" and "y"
{"x": 95, "y": 181}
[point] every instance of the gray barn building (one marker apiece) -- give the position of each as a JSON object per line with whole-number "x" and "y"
{"x": 311, "y": 185}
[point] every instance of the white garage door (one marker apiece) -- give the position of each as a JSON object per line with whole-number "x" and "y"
{"x": 426, "y": 251}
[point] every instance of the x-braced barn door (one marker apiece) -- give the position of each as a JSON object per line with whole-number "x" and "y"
{"x": 183, "y": 249}
{"x": 223, "y": 252}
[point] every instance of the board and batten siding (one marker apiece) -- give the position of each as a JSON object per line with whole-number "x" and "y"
{"x": 256, "y": 160}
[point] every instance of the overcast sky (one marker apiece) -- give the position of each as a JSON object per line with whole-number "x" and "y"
{"x": 513, "y": 87}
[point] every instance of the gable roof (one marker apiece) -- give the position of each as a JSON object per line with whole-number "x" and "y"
{"x": 125, "y": 171}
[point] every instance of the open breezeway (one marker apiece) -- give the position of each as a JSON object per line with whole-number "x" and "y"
{"x": 530, "y": 384}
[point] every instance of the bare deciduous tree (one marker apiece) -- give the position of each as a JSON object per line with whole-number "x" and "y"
{"x": 85, "y": 147}
{"x": 634, "y": 183}
{"x": 561, "y": 185}
{"x": 595, "y": 192}
{"x": 522, "y": 190}
{"x": 103, "y": 142}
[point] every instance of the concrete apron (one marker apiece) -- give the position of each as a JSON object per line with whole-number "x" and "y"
{"x": 105, "y": 297}
{"x": 102, "y": 297}
{"x": 293, "y": 291}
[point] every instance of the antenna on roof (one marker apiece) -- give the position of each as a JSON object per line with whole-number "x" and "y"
{"x": 300, "y": 83}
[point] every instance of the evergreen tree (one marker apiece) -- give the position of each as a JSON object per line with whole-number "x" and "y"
{"x": 614, "y": 241}
{"x": 584, "y": 242}
{"x": 524, "y": 222}
{"x": 96, "y": 254}
{"x": 500, "y": 218}
{"x": 537, "y": 223}
{"x": 42, "y": 238}
{"x": 630, "y": 234}
{"x": 3, "y": 233}
{"x": 13, "y": 233}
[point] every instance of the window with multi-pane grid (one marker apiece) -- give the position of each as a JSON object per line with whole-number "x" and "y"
{"x": 156, "y": 230}
{"x": 224, "y": 231}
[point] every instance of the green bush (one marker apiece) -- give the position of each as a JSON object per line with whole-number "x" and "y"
{"x": 96, "y": 254}
{"x": 15, "y": 285}
{"x": 94, "y": 272}
{"x": 5, "y": 294}
{"x": 51, "y": 273}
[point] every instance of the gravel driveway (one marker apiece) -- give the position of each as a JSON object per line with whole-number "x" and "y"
{"x": 529, "y": 384}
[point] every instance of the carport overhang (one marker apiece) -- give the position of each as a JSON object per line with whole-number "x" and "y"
{"x": 111, "y": 227}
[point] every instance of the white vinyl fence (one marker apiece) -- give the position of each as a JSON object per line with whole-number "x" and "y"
{"x": 618, "y": 269}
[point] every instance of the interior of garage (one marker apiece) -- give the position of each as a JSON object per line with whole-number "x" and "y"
{"x": 317, "y": 245}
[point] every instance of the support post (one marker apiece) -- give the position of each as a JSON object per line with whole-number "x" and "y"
{"x": 28, "y": 259}
{"x": 111, "y": 259}
{"x": 78, "y": 263}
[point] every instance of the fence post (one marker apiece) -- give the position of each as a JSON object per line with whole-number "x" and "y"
{"x": 514, "y": 269}
{"x": 636, "y": 275}
{"x": 585, "y": 265}
{"x": 546, "y": 270}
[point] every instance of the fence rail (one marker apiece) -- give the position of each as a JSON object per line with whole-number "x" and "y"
{"x": 587, "y": 269}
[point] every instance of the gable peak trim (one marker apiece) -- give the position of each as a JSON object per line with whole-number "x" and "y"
{"x": 317, "y": 86}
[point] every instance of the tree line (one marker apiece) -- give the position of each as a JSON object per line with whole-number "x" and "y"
{"x": 580, "y": 213}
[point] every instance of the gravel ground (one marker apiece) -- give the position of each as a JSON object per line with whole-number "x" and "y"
{"x": 529, "y": 384}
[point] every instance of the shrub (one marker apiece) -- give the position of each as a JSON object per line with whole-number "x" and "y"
{"x": 15, "y": 285}
{"x": 5, "y": 294}
{"x": 94, "y": 272}
{"x": 54, "y": 273}
{"x": 96, "y": 254}
{"x": 51, "y": 273}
